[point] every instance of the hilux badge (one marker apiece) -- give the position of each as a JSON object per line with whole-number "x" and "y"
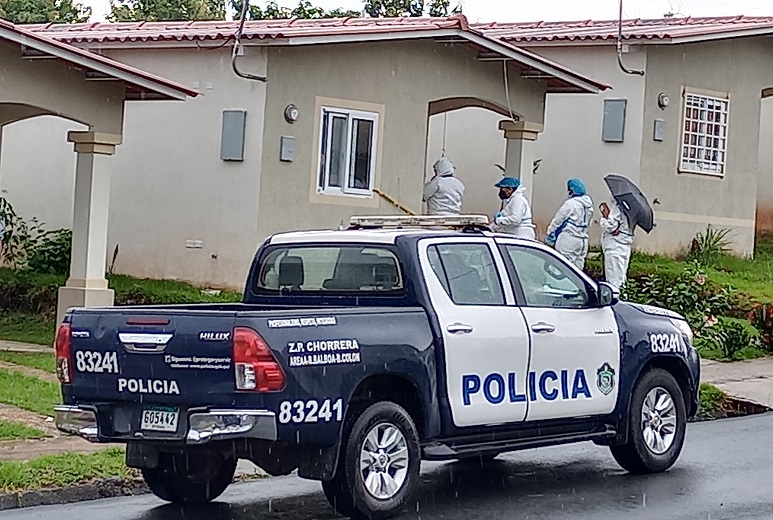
{"x": 605, "y": 379}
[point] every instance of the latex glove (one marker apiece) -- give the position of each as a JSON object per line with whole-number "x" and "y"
{"x": 497, "y": 215}
{"x": 550, "y": 240}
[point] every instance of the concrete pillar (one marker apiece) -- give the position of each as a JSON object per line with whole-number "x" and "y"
{"x": 519, "y": 155}
{"x": 87, "y": 285}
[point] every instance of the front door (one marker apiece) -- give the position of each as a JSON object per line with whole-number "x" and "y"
{"x": 575, "y": 362}
{"x": 486, "y": 341}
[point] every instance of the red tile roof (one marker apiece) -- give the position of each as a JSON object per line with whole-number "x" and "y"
{"x": 558, "y": 78}
{"x": 258, "y": 29}
{"x": 657, "y": 31}
{"x": 139, "y": 84}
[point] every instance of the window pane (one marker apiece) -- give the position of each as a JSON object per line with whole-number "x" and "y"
{"x": 472, "y": 274}
{"x": 437, "y": 267}
{"x": 545, "y": 280}
{"x": 347, "y": 269}
{"x": 703, "y": 150}
{"x": 337, "y": 150}
{"x": 362, "y": 150}
{"x": 324, "y": 149}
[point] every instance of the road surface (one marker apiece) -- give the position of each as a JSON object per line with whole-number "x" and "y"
{"x": 726, "y": 472}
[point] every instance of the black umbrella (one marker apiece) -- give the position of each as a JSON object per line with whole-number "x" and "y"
{"x": 633, "y": 202}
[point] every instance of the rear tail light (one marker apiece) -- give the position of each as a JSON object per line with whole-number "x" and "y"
{"x": 63, "y": 359}
{"x": 256, "y": 367}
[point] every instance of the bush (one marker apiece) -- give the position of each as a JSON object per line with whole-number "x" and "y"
{"x": 712, "y": 401}
{"x": 728, "y": 339}
{"x": 707, "y": 247}
{"x": 688, "y": 292}
{"x": 51, "y": 253}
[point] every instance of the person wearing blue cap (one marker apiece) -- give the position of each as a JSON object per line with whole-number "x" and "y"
{"x": 515, "y": 216}
{"x": 568, "y": 232}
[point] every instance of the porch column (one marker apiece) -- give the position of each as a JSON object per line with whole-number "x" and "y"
{"x": 519, "y": 157}
{"x": 87, "y": 285}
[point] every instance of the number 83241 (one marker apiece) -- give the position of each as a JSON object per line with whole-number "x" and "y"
{"x": 311, "y": 411}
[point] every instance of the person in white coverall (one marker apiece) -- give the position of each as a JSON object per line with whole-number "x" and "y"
{"x": 444, "y": 193}
{"x": 616, "y": 240}
{"x": 568, "y": 232}
{"x": 515, "y": 216}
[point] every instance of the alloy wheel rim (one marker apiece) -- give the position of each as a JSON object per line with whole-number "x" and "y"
{"x": 384, "y": 461}
{"x": 659, "y": 420}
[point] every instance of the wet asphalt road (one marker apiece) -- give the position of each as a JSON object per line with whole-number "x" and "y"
{"x": 725, "y": 472}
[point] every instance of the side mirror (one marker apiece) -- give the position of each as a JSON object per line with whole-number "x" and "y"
{"x": 607, "y": 295}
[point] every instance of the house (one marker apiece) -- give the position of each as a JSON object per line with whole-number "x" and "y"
{"x": 694, "y": 131}
{"x": 42, "y": 77}
{"x": 344, "y": 112}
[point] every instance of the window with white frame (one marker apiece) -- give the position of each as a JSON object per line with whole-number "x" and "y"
{"x": 347, "y": 155}
{"x": 704, "y": 135}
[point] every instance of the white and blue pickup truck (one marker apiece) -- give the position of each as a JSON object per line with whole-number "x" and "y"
{"x": 358, "y": 353}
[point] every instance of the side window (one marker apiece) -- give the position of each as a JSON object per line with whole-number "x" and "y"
{"x": 468, "y": 273}
{"x": 545, "y": 280}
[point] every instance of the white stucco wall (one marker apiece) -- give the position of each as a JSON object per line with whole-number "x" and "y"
{"x": 168, "y": 182}
{"x": 570, "y": 146}
{"x": 765, "y": 179}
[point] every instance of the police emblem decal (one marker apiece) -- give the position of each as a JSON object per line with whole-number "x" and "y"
{"x": 605, "y": 379}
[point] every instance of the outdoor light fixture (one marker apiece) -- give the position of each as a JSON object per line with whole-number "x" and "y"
{"x": 663, "y": 100}
{"x": 292, "y": 113}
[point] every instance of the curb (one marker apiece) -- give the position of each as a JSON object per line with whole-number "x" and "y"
{"x": 107, "y": 488}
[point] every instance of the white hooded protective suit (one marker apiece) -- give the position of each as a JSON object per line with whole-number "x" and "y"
{"x": 570, "y": 227}
{"x": 444, "y": 193}
{"x": 515, "y": 217}
{"x": 616, "y": 240}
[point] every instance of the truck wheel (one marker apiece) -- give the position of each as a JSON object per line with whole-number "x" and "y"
{"x": 657, "y": 425}
{"x": 190, "y": 478}
{"x": 379, "y": 465}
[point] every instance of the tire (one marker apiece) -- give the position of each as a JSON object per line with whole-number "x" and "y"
{"x": 348, "y": 492}
{"x": 190, "y": 479}
{"x": 638, "y": 456}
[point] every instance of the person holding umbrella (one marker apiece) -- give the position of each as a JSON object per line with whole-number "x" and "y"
{"x": 630, "y": 209}
{"x": 515, "y": 216}
{"x": 568, "y": 232}
{"x": 616, "y": 241}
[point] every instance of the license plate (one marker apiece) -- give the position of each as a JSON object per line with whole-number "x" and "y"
{"x": 160, "y": 419}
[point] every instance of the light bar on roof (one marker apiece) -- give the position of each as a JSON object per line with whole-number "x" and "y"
{"x": 419, "y": 221}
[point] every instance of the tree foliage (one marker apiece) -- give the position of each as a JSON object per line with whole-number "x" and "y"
{"x": 304, "y": 9}
{"x": 44, "y": 11}
{"x": 413, "y": 8}
{"x": 157, "y": 10}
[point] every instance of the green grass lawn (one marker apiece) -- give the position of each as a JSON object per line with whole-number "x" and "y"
{"x": 62, "y": 470}
{"x": 27, "y": 328}
{"x": 44, "y": 361}
{"x": 11, "y": 431}
{"x": 28, "y": 392}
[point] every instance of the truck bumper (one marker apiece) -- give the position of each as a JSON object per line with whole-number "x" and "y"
{"x": 203, "y": 426}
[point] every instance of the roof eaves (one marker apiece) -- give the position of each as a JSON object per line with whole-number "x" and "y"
{"x": 537, "y": 62}
{"x": 95, "y": 62}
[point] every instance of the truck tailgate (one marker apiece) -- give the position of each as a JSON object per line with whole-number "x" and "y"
{"x": 152, "y": 356}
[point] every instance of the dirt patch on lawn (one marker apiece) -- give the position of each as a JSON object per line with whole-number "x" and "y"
{"x": 17, "y": 415}
{"x": 29, "y": 371}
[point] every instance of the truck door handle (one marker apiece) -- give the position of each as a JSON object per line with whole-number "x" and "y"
{"x": 459, "y": 328}
{"x": 543, "y": 328}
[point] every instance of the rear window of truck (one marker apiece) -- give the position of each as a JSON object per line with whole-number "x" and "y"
{"x": 329, "y": 269}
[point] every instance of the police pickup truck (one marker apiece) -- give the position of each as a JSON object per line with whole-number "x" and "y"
{"x": 358, "y": 353}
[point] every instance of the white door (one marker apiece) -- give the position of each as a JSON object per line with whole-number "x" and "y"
{"x": 575, "y": 360}
{"x": 486, "y": 341}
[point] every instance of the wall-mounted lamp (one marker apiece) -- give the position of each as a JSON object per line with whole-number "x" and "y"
{"x": 292, "y": 114}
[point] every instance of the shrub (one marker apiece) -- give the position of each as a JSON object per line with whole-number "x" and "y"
{"x": 707, "y": 247}
{"x": 688, "y": 292}
{"x": 728, "y": 339}
{"x": 51, "y": 253}
{"x": 712, "y": 401}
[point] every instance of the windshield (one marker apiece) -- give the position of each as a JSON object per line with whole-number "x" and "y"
{"x": 335, "y": 269}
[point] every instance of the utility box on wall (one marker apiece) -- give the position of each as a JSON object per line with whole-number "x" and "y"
{"x": 613, "y": 127}
{"x": 232, "y": 135}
